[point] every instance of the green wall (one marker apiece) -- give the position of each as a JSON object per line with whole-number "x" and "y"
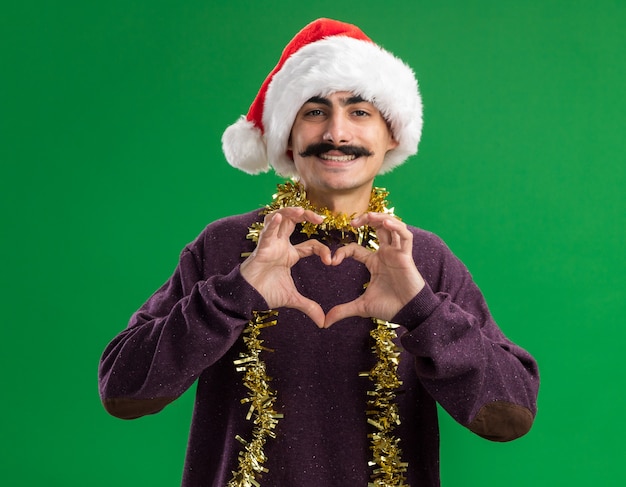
{"x": 111, "y": 115}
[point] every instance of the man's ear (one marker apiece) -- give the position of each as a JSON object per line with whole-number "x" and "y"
{"x": 393, "y": 143}
{"x": 289, "y": 148}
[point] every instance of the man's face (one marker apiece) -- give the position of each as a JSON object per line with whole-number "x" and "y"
{"x": 339, "y": 143}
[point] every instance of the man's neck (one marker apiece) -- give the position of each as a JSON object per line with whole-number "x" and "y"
{"x": 347, "y": 202}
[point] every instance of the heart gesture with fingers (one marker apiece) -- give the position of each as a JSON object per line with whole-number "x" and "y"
{"x": 394, "y": 281}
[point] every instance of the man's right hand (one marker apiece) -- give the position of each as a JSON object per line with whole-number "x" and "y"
{"x": 268, "y": 268}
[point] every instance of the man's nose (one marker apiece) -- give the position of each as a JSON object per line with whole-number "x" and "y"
{"x": 337, "y": 130}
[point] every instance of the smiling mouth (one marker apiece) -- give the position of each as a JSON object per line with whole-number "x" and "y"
{"x": 330, "y": 152}
{"x": 343, "y": 158}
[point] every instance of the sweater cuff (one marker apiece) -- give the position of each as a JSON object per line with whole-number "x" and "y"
{"x": 416, "y": 311}
{"x": 236, "y": 296}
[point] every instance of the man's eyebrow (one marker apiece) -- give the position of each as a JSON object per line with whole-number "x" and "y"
{"x": 320, "y": 100}
{"x": 352, "y": 100}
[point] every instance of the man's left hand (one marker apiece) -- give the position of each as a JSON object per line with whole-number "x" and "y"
{"x": 395, "y": 279}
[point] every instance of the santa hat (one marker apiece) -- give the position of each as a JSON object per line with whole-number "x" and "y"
{"x": 325, "y": 57}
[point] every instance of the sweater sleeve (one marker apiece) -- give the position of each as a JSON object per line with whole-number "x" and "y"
{"x": 186, "y": 326}
{"x": 482, "y": 379}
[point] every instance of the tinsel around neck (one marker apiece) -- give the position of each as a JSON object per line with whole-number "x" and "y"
{"x": 292, "y": 193}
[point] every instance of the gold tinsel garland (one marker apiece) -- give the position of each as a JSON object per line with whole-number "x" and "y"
{"x": 292, "y": 193}
{"x": 382, "y": 410}
{"x": 261, "y": 398}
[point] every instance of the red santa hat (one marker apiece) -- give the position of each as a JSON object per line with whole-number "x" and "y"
{"x": 325, "y": 57}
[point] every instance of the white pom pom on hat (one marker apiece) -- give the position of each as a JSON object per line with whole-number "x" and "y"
{"x": 325, "y": 57}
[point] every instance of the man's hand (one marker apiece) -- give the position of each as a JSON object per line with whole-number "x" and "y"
{"x": 268, "y": 268}
{"x": 394, "y": 280}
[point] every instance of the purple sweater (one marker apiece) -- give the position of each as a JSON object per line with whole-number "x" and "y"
{"x": 189, "y": 330}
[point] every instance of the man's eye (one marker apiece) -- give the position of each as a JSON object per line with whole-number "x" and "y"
{"x": 315, "y": 112}
{"x": 360, "y": 113}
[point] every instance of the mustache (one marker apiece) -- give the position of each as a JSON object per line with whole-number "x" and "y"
{"x": 349, "y": 150}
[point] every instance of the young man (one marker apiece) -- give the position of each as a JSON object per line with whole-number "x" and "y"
{"x": 322, "y": 330}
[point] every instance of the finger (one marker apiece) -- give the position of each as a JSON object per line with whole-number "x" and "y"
{"x": 293, "y": 215}
{"x": 280, "y": 223}
{"x": 375, "y": 220}
{"x": 275, "y": 226}
{"x": 396, "y": 240}
{"x": 298, "y": 214}
{"x": 310, "y": 308}
{"x": 311, "y": 216}
{"x": 389, "y": 235}
{"x": 368, "y": 218}
{"x": 353, "y": 250}
{"x": 389, "y": 229}
{"x": 271, "y": 224}
{"x": 343, "y": 311}
{"x": 314, "y": 247}
{"x": 289, "y": 218}
{"x": 400, "y": 235}
{"x": 291, "y": 212}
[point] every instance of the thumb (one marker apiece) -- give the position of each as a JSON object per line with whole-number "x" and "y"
{"x": 342, "y": 311}
{"x": 310, "y": 308}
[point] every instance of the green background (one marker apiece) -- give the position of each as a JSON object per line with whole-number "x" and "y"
{"x": 111, "y": 115}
